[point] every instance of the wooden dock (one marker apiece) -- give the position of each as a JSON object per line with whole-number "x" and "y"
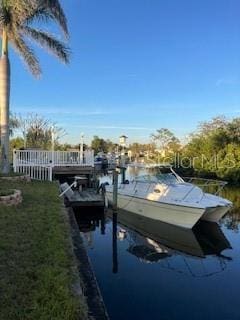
{"x": 86, "y": 198}
{"x": 73, "y": 170}
{"x": 67, "y": 173}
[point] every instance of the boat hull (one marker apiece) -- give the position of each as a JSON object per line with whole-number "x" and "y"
{"x": 215, "y": 214}
{"x": 182, "y": 216}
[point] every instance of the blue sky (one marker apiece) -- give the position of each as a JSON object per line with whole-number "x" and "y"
{"x": 136, "y": 66}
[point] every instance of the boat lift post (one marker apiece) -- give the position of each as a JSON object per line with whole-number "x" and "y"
{"x": 114, "y": 221}
{"x": 115, "y": 189}
{"x": 114, "y": 242}
{"x": 123, "y": 174}
{"x": 115, "y": 183}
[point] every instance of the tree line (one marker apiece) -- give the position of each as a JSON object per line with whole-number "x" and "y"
{"x": 35, "y": 131}
{"x": 212, "y": 151}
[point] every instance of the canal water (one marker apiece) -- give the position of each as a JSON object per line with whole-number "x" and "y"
{"x": 150, "y": 270}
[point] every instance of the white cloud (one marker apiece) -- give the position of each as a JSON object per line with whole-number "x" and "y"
{"x": 111, "y": 127}
{"x": 227, "y": 81}
{"x": 62, "y": 111}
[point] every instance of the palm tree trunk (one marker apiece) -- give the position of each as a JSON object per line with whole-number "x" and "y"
{"x": 4, "y": 104}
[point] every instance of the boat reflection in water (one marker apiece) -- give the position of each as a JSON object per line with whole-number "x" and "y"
{"x": 179, "y": 249}
{"x": 175, "y": 248}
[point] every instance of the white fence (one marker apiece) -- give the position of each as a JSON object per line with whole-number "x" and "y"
{"x": 38, "y": 164}
{"x": 42, "y": 173}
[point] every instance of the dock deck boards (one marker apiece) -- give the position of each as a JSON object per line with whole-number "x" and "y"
{"x": 68, "y": 169}
{"x": 86, "y": 198}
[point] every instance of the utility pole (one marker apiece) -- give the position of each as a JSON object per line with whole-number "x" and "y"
{"x": 53, "y": 144}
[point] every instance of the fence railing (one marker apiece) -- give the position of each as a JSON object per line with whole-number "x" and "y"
{"x": 38, "y": 164}
{"x": 53, "y": 158}
{"x": 35, "y": 172}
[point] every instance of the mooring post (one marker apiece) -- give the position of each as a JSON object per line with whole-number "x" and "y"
{"x": 115, "y": 189}
{"x": 123, "y": 174}
{"x": 114, "y": 221}
{"x": 114, "y": 243}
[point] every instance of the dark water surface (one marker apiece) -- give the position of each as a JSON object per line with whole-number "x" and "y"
{"x": 150, "y": 270}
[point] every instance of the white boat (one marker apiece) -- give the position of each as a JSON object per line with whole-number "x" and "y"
{"x": 168, "y": 198}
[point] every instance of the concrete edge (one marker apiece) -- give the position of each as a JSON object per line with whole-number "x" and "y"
{"x": 96, "y": 307}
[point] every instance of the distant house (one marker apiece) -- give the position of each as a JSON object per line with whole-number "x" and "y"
{"x": 123, "y": 141}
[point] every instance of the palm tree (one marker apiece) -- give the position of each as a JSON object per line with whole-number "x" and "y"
{"x": 16, "y": 26}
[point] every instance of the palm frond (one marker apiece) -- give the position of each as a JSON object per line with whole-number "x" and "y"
{"x": 27, "y": 54}
{"x": 16, "y": 17}
{"x": 5, "y": 16}
{"x": 19, "y": 9}
{"x": 40, "y": 14}
{"x": 56, "y": 10}
{"x": 48, "y": 41}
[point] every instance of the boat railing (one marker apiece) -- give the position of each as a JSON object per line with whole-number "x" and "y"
{"x": 210, "y": 185}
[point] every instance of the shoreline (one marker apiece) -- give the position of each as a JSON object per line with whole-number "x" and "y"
{"x": 96, "y": 307}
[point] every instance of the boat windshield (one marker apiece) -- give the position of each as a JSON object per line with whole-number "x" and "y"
{"x": 167, "y": 178}
{"x": 146, "y": 178}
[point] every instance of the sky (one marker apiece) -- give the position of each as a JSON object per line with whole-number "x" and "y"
{"x": 137, "y": 66}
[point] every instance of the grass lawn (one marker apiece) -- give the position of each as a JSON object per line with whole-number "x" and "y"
{"x": 11, "y": 174}
{"x": 37, "y": 273}
{"x": 5, "y": 192}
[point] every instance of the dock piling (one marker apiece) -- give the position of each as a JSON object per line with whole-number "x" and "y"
{"x": 115, "y": 189}
{"x": 114, "y": 243}
{"x": 123, "y": 174}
